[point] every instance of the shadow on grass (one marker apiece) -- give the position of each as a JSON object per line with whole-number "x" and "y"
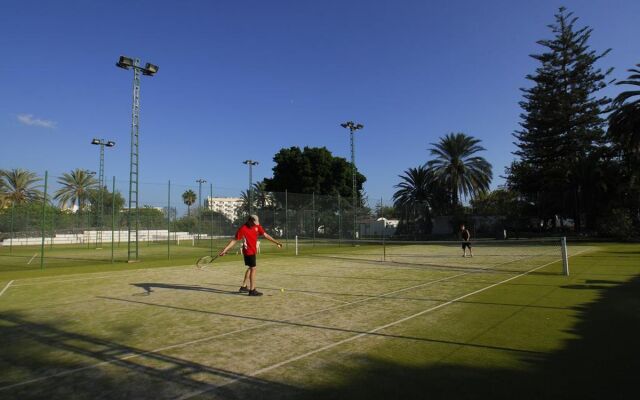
{"x": 148, "y": 288}
{"x": 602, "y": 362}
{"x": 40, "y": 360}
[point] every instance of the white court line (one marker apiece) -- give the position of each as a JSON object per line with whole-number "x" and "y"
{"x": 178, "y": 345}
{"x": 6, "y": 287}
{"x": 34, "y": 256}
{"x": 114, "y": 274}
{"x": 374, "y": 330}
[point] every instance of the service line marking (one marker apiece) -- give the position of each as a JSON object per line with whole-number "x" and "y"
{"x": 6, "y": 287}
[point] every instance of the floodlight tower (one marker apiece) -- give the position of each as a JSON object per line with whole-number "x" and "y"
{"x": 200, "y": 182}
{"x": 352, "y": 126}
{"x": 102, "y": 143}
{"x": 133, "y": 217}
{"x": 250, "y": 163}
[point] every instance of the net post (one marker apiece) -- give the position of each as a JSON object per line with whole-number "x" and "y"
{"x": 565, "y": 256}
{"x": 296, "y": 244}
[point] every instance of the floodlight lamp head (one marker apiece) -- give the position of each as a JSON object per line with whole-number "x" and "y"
{"x": 359, "y": 126}
{"x": 344, "y": 125}
{"x": 110, "y": 143}
{"x": 150, "y": 69}
{"x": 95, "y": 141}
{"x": 124, "y": 62}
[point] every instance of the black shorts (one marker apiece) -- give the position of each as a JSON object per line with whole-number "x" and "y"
{"x": 250, "y": 261}
{"x": 466, "y": 245}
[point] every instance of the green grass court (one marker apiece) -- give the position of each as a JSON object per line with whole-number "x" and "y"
{"x": 424, "y": 322}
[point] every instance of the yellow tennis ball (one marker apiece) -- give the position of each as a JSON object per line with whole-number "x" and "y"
{"x": 282, "y": 290}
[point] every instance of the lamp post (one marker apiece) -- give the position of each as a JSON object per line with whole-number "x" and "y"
{"x": 250, "y": 163}
{"x": 352, "y": 126}
{"x": 102, "y": 143}
{"x": 200, "y": 182}
{"x": 133, "y": 218}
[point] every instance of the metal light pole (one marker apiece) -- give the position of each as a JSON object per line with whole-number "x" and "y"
{"x": 200, "y": 182}
{"x": 133, "y": 218}
{"x": 352, "y": 126}
{"x": 250, "y": 163}
{"x": 102, "y": 143}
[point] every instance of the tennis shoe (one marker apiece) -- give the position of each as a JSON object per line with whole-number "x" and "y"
{"x": 254, "y": 293}
{"x": 243, "y": 289}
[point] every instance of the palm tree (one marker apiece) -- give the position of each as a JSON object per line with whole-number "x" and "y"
{"x": 624, "y": 121}
{"x": 457, "y": 168}
{"x": 419, "y": 194}
{"x": 189, "y": 197}
{"x": 76, "y": 188}
{"x": 261, "y": 197}
{"x": 19, "y": 186}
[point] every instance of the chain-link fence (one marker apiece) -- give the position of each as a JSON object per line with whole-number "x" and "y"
{"x": 176, "y": 221}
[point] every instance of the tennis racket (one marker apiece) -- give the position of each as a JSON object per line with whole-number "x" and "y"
{"x": 205, "y": 261}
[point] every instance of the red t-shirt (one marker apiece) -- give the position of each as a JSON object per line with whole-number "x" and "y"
{"x": 250, "y": 236}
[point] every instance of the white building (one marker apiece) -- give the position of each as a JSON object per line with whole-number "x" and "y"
{"x": 227, "y": 206}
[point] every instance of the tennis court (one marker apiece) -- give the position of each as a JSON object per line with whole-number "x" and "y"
{"x": 327, "y": 315}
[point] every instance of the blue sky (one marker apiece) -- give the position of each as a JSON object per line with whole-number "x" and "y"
{"x": 242, "y": 79}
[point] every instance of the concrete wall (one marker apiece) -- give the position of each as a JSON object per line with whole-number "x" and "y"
{"x": 91, "y": 236}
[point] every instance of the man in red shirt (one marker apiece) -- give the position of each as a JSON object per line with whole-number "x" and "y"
{"x": 249, "y": 233}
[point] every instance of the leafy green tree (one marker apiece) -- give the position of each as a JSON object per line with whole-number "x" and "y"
{"x": 4, "y": 201}
{"x": 76, "y": 188}
{"x": 189, "y": 197}
{"x": 457, "y": 167}
{"x": 20, "y": 186}
{"x": 312, "y": 170}
{"x": 107, "y": 200}
{"x": 562, "y": 124}
{"x": 388, "y": 212}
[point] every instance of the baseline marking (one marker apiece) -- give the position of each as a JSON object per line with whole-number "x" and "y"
{"x": 34, "y": 256}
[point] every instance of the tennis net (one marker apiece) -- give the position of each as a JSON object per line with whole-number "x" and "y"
{"x": 499, "y": 255}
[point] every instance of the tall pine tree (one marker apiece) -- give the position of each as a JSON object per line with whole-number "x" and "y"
{"x": 561, "y": 142}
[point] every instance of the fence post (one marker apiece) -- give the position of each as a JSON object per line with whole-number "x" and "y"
{"x": 53, "y": 229}
{"x": 296, "y": 244}
{"x": 286, "y": 217}
{"x": 384, "y": 228}
{"x": 339, "y": 222}
{"x": 113, "y": 214}
{"x": 313, "y": 216}
{"x": 44, "y": 211}
{"x": 12, "y": 235}
{"x": 211, "y": 211}
{"x": 169, "y": 220}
